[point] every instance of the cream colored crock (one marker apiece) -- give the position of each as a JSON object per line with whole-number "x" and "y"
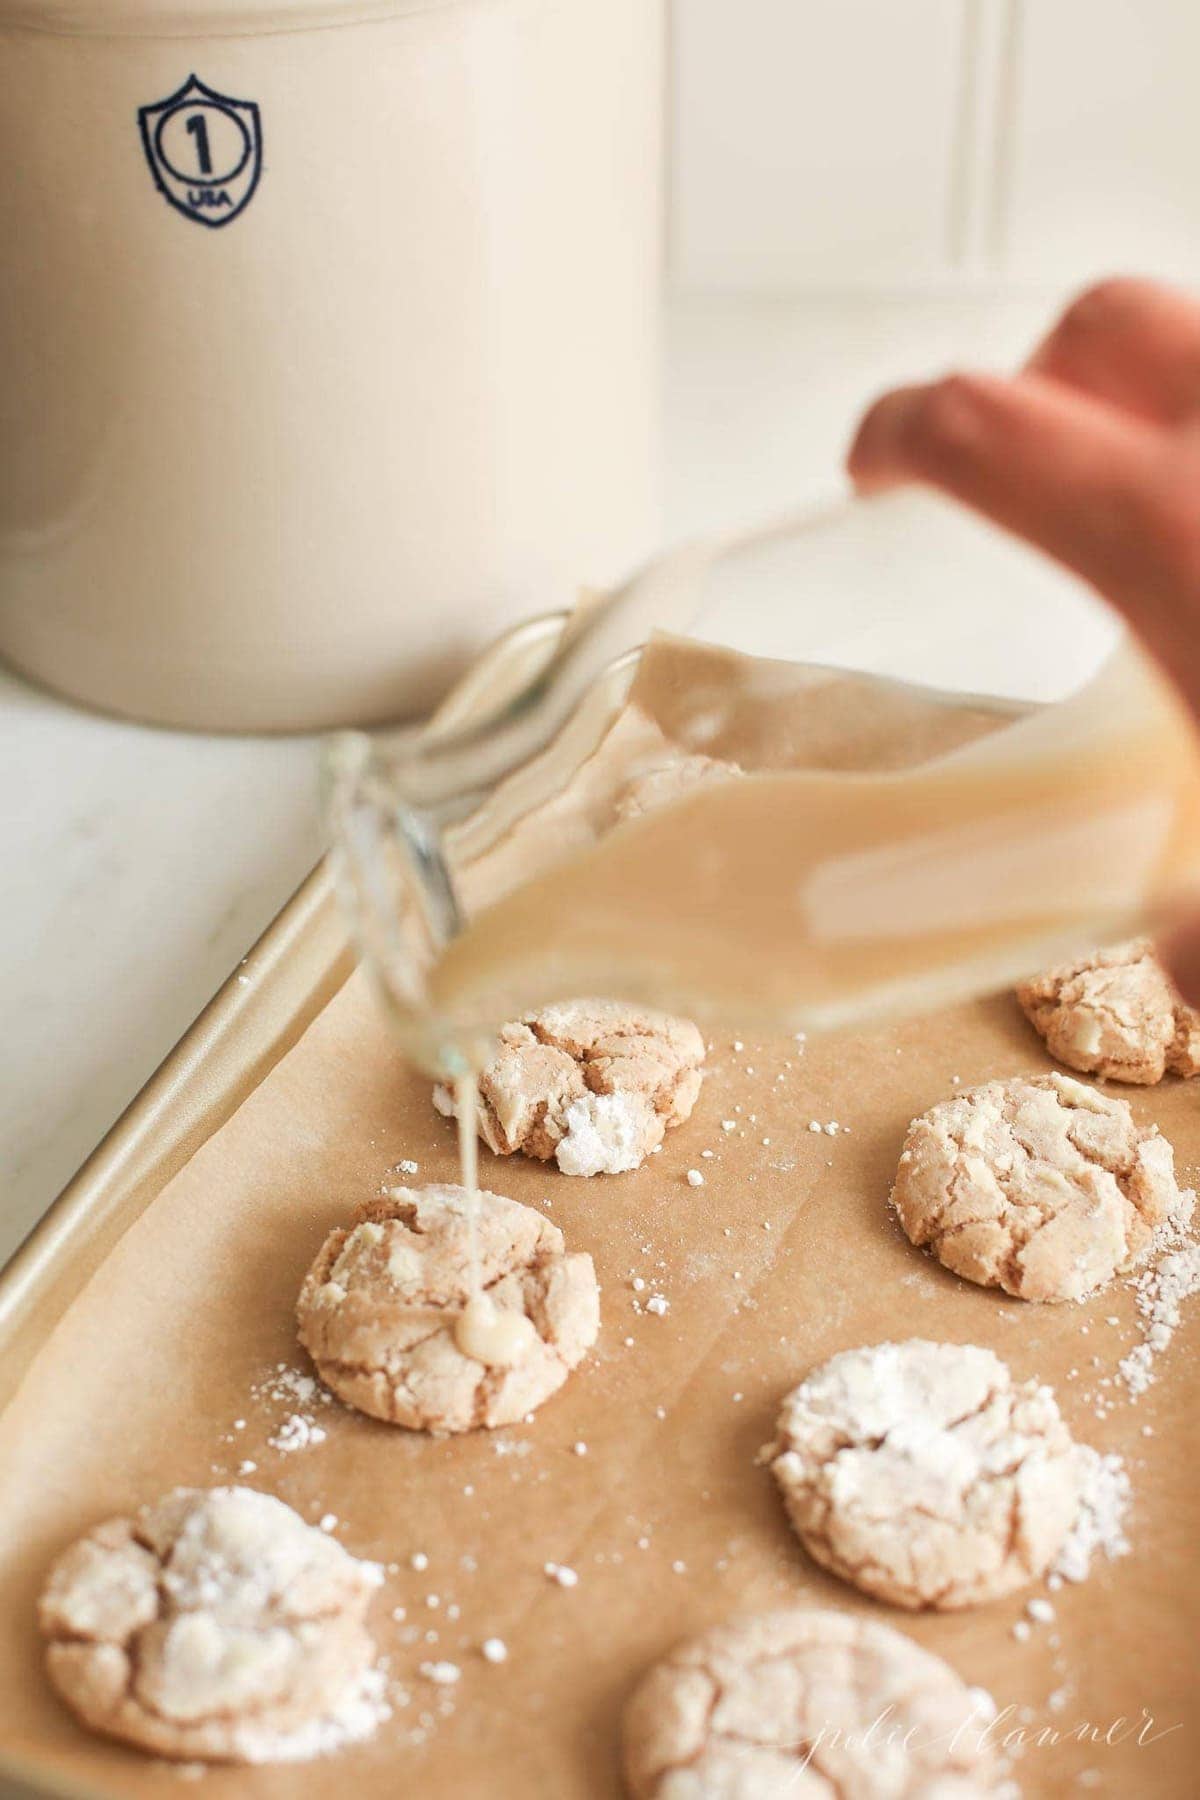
{"x": 327, "y": 341}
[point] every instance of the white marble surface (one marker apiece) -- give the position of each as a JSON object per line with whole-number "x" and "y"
{"x": 140, "y": 865}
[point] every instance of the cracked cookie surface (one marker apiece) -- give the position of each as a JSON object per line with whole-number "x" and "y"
{"x": 781, "y": 1706}
{"x": 378, "y": 1309}
{"x": 923, "y": 1474}
{"x": 591, "y": 1085}
{"x": 1039, "y": 1185}
{"x": 213, "y": 1625}
{"x": 1115, "y": 1013}
{"x": 656, "y": 787}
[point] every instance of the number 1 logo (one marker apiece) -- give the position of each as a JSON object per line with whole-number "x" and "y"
{"x": 204, "y": 150}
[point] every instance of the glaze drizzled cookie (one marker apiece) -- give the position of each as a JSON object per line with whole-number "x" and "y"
{"x": 379, "y": 1309}
{"x": 787, "y": 1706}
{"x": 1040, "y": 1185}
{"x": 924, "y": 1475}
{"x": 1115, "y": 1013}
{"x": 215, "y": 1625}
{"x": 590, "y": 1085}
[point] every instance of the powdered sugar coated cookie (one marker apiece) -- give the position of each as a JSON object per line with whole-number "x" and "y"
{"x": 798, "y": 1704}
{"x": 923, "y": 1474}
{"x": 379, "y": 1308}
{"x": 1115, "y": 1013}
{"x": 1039, "y": 1185}
{"x": 215, "y": 1625}
{"x": 590, "y": 1084}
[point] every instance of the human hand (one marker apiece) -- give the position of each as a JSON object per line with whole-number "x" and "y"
{"x": 1092, "y": 453}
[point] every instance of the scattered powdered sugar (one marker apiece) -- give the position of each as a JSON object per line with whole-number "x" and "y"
{"x": 363, "y": 1709}
{"x": 293, "y": 1386}
{"x": 442, "y": 1674}
{"x": 1160, "y": 1292}
{"x": 1100, "y": 1522}
{"x": 296, "y": 1433}
{"x": 300, "y": 1394}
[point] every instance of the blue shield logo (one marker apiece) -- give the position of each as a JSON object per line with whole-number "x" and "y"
{"x": 204, "y": 151}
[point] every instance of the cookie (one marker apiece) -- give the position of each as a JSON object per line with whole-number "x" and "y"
{"x": 590, "y": 1085}
{"x": 1039, "y": 1185}
{"x": 379, "y": 1309}
{"x": 924, "y": 1475}
{"x": 656, "y": 787}
{"x": 215, "y": 1625}
{"x": 1115, "y": 1013}
{"x": 799, "y": 1703}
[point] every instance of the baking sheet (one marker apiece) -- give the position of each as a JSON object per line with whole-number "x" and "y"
{"x": 786, "y": 1254}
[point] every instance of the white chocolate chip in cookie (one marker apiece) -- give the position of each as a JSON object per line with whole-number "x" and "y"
{"x": 923, "y": 1474}
{"x": 1039, "y": 1185}
{"x": 788, "y": 1706}
{"x": 216, "y": 1625}
{"x": 1115, "y": 1013}
{"x": 590, "y": 1084}
{"x": 407, "y": 1343}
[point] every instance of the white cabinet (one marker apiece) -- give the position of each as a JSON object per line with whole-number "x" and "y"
{"x": 906, "y": 144}
{"x": 1104, "y": 140}
{"x": 813, "y": 142}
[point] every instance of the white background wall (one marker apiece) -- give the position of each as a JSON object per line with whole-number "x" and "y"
{"x": 881, "y": 145}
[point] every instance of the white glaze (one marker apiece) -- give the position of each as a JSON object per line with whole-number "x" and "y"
{"x": 499, "y": 1338}
{"x": 492, "y": 1334}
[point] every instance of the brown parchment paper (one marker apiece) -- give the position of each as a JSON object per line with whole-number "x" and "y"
{"x": 785, "y": 1255}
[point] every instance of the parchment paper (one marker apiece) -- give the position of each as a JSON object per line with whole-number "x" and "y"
{"x": 785, "y": 1255}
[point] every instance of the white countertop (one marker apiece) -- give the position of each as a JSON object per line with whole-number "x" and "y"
{"x": 141, "y": 865}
